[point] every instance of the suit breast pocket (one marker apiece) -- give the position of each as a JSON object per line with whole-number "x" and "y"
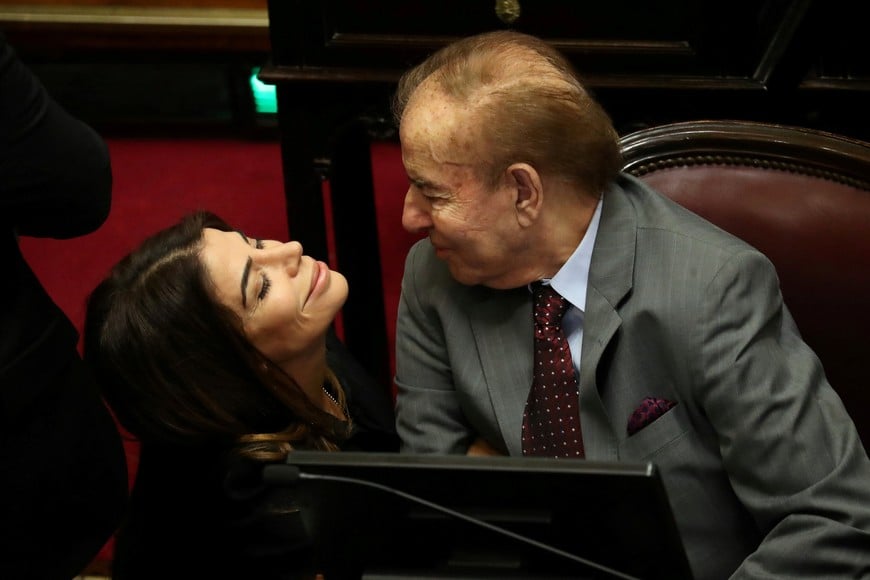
{"x": 656, "y": 437}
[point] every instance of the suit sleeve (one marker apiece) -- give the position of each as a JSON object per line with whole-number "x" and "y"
{"x": 792, "y": 453}
{"x": 429, "y": 417}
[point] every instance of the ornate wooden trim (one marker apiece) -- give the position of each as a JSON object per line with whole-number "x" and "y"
{"x": 42, "y": 27}
{"x": 750, "y": 144}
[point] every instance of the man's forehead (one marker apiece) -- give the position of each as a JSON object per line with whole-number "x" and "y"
{"x": 430, "y": 108}
{"x": 446, "y": 132}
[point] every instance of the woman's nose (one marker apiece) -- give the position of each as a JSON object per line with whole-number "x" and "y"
{"x": 289, "y": 253}
{"x": 294, "y": 248}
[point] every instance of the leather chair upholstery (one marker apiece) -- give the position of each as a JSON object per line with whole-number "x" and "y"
{"x": 800, "y": 196}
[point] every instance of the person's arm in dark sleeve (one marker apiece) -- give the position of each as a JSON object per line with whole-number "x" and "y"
{"x": 55, "y": 172}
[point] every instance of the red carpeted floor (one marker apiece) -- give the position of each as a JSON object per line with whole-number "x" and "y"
{"x": 155, "y": 183}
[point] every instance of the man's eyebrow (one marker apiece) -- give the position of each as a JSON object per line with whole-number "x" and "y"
{"x": 424, "y": 183}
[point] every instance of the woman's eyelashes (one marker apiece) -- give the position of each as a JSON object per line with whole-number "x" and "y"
{"x": 264, "y": 287}
{"x": 266, "y": 283}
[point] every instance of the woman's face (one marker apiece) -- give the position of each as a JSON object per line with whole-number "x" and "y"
{"x": 286, "y": 301}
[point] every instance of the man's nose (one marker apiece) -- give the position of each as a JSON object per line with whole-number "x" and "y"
{"x": 415, "y": 218}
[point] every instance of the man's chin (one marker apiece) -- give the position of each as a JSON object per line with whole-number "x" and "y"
{"x": 471, "y": 277}
{"x": 462, "y": 275}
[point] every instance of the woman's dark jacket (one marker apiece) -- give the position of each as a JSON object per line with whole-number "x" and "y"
{"x": 193, "y": 516}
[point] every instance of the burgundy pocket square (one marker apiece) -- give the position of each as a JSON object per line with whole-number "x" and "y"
{"x": 650, "y": 409}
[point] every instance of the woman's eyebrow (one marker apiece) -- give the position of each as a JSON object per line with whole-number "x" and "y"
{"x": 246, "y": 272}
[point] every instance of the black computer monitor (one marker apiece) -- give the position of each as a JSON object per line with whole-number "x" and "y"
{"x": 380, "y": 516}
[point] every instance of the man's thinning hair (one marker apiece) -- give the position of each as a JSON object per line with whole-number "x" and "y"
{"x": 529, "y": 106}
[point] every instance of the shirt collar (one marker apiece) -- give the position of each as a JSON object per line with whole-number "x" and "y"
{"x": 572, "y": 279}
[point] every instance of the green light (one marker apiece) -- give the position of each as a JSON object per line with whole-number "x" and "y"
{"x": 264, "y": 95}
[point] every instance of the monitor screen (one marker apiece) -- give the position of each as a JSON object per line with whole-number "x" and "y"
{"x": 379, "y": 516}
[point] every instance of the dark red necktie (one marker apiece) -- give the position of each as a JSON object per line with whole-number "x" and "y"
{"x": 551, "y": 421}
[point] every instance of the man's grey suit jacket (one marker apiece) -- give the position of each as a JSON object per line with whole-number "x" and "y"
{"x": 765, "y": 471}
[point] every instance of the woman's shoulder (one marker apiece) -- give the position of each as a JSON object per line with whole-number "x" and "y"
{"x": 369, "y": 402}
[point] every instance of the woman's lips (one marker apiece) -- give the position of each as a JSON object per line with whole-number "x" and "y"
{"x": 319, "y": 277}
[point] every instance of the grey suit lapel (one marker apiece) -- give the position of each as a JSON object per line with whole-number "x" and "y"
{"x": 610, "y": 279}
{"x": 502, "y": 326}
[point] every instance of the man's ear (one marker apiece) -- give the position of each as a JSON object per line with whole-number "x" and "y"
{"x": 529, "y": 195}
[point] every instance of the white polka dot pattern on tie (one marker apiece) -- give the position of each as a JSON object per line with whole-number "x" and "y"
{"x": 551, "y": 422}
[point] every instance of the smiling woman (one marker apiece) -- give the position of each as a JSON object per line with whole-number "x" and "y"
{"x": 216, "y": 351}
{"x": 286, "y": 301}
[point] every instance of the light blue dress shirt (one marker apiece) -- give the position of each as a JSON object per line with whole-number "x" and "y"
{"x": 571, "y": 281}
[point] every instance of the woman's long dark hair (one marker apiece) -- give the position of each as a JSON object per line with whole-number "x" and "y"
{"x": 175, "y": 366}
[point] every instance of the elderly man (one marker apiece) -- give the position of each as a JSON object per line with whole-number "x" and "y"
{"x": 679, "y": 348}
